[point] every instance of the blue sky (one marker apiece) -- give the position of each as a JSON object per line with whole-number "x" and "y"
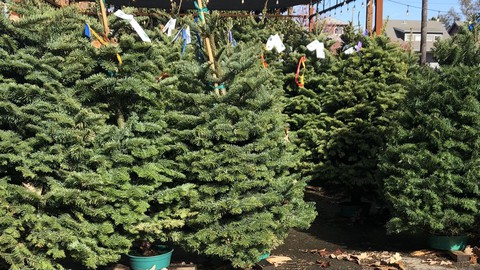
{"x": 394, "y": 9}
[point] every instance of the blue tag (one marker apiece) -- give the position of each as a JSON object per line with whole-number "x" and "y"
{"x": 87, "y": 31}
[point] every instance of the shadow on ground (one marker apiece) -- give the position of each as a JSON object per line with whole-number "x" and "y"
{"x": 331, "y": 231}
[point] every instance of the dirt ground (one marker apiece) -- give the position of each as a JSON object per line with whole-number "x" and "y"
{"x": 348, "y": 235}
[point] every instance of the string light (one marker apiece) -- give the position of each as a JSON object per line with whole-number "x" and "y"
{"x": 243, "y": 2}
{"x": 363, "y": 4}
{"x": 277, "y": 2}
{"x": 408, "y": 7}
{"x": 416, "y": 7}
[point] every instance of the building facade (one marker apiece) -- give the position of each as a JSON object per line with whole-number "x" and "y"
{"x": 408, "y": 33}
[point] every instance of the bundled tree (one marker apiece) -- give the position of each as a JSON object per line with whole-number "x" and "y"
{"x": 431, "y": 163}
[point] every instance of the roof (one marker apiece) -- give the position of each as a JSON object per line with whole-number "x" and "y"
{"x": 396, "y": 30}
{"x": 213, "y": 4}
{"x": 333, "y": 21}
{"x": 454, "y": 27}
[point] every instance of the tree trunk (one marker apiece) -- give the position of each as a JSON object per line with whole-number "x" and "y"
{"x": 120, "y": 118}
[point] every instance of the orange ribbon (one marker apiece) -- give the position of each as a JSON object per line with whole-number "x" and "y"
{"x": 264, "y": 63}
{"x": 300, "y": 79}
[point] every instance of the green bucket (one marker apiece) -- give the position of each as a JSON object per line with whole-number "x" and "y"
{"x": 147, "y": 262}
{"x": 441, "y": 242}
{"x": 263, "y": 256}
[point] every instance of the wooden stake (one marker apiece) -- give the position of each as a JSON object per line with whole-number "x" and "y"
{"x": 311, "y": 22}
{"x": 104, "y": 18}
{"x": 209, "y": 51}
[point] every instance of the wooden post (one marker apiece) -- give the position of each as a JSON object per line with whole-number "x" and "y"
{"x": 311, "y": 22}
{"x": 378, "y": 17}
{"x": 290, "y": 11}
{"x": 209, "y": 51}
{"x": 106, "y": 29}
{"x": 369, "y": 22}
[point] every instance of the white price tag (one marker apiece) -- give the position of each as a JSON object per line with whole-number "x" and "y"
{"x": 119, "y": 13}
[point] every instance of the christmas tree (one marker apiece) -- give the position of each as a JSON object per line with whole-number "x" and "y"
{"x": 431, "y": 163}
{"x": 233, "y": 149}
{"x": 459, "y": 49}
{"x": 358, "y": 105}
{"x": 84, "y": 147}
{"x": 302, "y": 103}
{"x": 133, "y": 93}
{"x": 49, "y": 186}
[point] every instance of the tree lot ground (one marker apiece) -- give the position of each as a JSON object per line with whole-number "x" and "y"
{"x": 331, "y": 232}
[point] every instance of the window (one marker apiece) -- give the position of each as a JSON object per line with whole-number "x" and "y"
{"x": 433, "y": 37}
{"x": 413, "y": 37}
{"x": 418, "y": 37}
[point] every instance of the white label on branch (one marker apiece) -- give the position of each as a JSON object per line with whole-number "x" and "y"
{"x": 317, "y": 46}
{"x": 270, "y": 43}
{"x": 313, "y": 45}
{"x": 169, "y": 26}
{"x": 350, "y": 50}
{"x": 188, "y": 37}
{"x": 119, "y": 13}
{"x": 275, "y": 42}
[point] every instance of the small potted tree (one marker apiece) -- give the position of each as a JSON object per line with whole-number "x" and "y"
{"x": 431, "y": 164}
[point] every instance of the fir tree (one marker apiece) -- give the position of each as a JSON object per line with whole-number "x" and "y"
{"x": 48, "y": 184}
{"x": 134, "y": 94}
{"x": 432, "y": 162}
{"x": 233, "y": 149}
{"x": 302, "y": 104}
{"x": 84, "y": 163}
{"x": 459, "y": 49}
{"x": 358, "y": 106}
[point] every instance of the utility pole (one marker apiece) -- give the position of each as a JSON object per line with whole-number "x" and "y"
{"x": 369, "y": 22}
{"x": 423, "y": 40}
